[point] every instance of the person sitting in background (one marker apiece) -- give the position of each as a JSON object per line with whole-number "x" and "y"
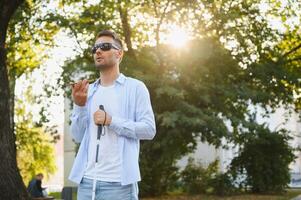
{"x": 35, "y": 186}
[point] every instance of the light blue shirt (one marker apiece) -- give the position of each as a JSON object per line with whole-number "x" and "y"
{"x": 134, "y": 122}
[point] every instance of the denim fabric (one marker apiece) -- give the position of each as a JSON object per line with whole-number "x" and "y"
{"x": 107, "y": 190}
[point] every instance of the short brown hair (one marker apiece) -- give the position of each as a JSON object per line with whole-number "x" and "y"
{"x": 112, "y": 35}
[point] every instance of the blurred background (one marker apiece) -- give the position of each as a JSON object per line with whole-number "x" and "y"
{"x": 224, "y": 78}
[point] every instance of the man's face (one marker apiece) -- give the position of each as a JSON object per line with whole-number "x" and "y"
{"x": 39, "y": 177}
{"x": 106, "y": 59}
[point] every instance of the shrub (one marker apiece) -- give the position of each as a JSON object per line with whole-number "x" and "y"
{"x": 222, "y": 184}
{"x": 264, "y": 159}
{"x": 196, "y": 178}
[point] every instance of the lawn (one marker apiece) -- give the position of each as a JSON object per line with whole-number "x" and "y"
{"x": 287, "y": 196}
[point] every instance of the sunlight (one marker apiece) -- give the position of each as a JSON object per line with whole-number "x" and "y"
{"x": 177, "y": 36}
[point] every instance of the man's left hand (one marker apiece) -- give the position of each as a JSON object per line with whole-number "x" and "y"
{"x": 101, "y": 119}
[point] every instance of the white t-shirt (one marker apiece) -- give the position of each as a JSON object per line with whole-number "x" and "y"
{"x": 108, "y": 167}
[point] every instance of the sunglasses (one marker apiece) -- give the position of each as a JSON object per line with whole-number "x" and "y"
{"x": 104, "y": 47}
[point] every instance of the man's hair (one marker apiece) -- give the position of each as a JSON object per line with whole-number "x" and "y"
{"x": 112, "y": 35}
{"x": 39, "y": 174}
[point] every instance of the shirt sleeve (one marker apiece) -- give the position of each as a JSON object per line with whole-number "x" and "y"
{"x": 79, "y": 119}
{"x": 144, "y": 128}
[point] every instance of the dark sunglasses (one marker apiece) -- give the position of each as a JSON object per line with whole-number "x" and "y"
{"x": 104, "y": 47}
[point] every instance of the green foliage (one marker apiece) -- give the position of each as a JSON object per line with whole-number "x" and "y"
{"x": 196, "y": 178}
{"x": 264, "y": 160}
{"x": 223, "y": 184}
{"x": 35, "y": 145}
{"x": 197, "y": 90}
{"x": 35, "y": 151}
{"x": 30, "y": 34}
{"x": 195, "y": 95}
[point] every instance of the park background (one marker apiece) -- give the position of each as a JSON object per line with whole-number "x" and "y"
{"x": 224, "y": 78}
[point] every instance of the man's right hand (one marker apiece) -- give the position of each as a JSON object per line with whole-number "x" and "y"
{"x": 80, "y": 92}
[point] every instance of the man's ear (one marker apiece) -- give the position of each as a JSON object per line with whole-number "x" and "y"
{"x": 120, "y": 55}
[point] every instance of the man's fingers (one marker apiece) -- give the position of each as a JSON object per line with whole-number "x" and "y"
{"x": 85, "y": 81}
{"x": 74, "y": 88}
{"x": 83, "y": 85}
{"x": 79, "y": 92}
{"x": 85, "y": 90}
{"x": 77, "y": 86}
{"x": 97, "y": 117}
{"x": 98, "y": 112}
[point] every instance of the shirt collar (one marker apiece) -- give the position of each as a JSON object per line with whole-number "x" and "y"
{"x": 121, "y": 79}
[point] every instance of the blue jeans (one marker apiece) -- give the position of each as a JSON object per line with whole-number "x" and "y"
{"x": 106, "y": 190}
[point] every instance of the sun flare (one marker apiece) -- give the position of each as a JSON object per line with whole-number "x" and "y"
{"x": 177, "y": 36}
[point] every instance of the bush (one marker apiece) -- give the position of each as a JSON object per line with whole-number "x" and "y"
{"x": 222, "y": 184}
{"x": 196, "y": 178}
{"x": 264, "y": 159}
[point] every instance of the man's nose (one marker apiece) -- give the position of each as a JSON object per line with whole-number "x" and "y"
{"x": 98, "y": 51}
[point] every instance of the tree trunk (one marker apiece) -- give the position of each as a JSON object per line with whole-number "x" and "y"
{"x": 11, "y": 184}
{"x": 126, "y": 30}
{"x": 11, "y": 86}
{"x": 161, "y": 17}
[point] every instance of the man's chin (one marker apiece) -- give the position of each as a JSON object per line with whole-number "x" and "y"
{"x": 101, "y": 67}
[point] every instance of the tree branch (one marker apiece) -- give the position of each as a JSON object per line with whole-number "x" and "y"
{"x": 8, "y": 8}
{"x": 73, "y": 31}
{"x": 126, "y": 29}
{"x": 294, "y": 59}
{"x": 160, "y": 20}
{"x": 292, "y": 51}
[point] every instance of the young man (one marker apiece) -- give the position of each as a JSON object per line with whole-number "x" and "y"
{"x": 35, "y": 186}
{"x": 109, "y": 118}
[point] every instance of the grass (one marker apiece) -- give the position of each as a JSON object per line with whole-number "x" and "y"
{"x": 57, "y": 195}
{"x": 291, "y": 193}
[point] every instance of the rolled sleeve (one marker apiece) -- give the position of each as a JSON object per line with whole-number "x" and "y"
{"x": 144, "y": 127}
{"x": 78, "y": 119}
{"x": 79, "y": 109}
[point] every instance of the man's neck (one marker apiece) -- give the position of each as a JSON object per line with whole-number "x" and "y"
{"x": 109, "y": 76}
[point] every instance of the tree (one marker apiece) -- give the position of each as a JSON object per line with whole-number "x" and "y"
{"x": 30, "y": 33}
{"x": 197, "y": 90}
{"x": 263, "y": 155}
{"x": 11, "y": 185}
{"x": 35, "y": 152}
{"x": 20, "y": 32}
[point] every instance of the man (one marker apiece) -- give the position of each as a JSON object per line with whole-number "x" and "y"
{"x": 35, "y": 186}
{"x": 109, "y": 118}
